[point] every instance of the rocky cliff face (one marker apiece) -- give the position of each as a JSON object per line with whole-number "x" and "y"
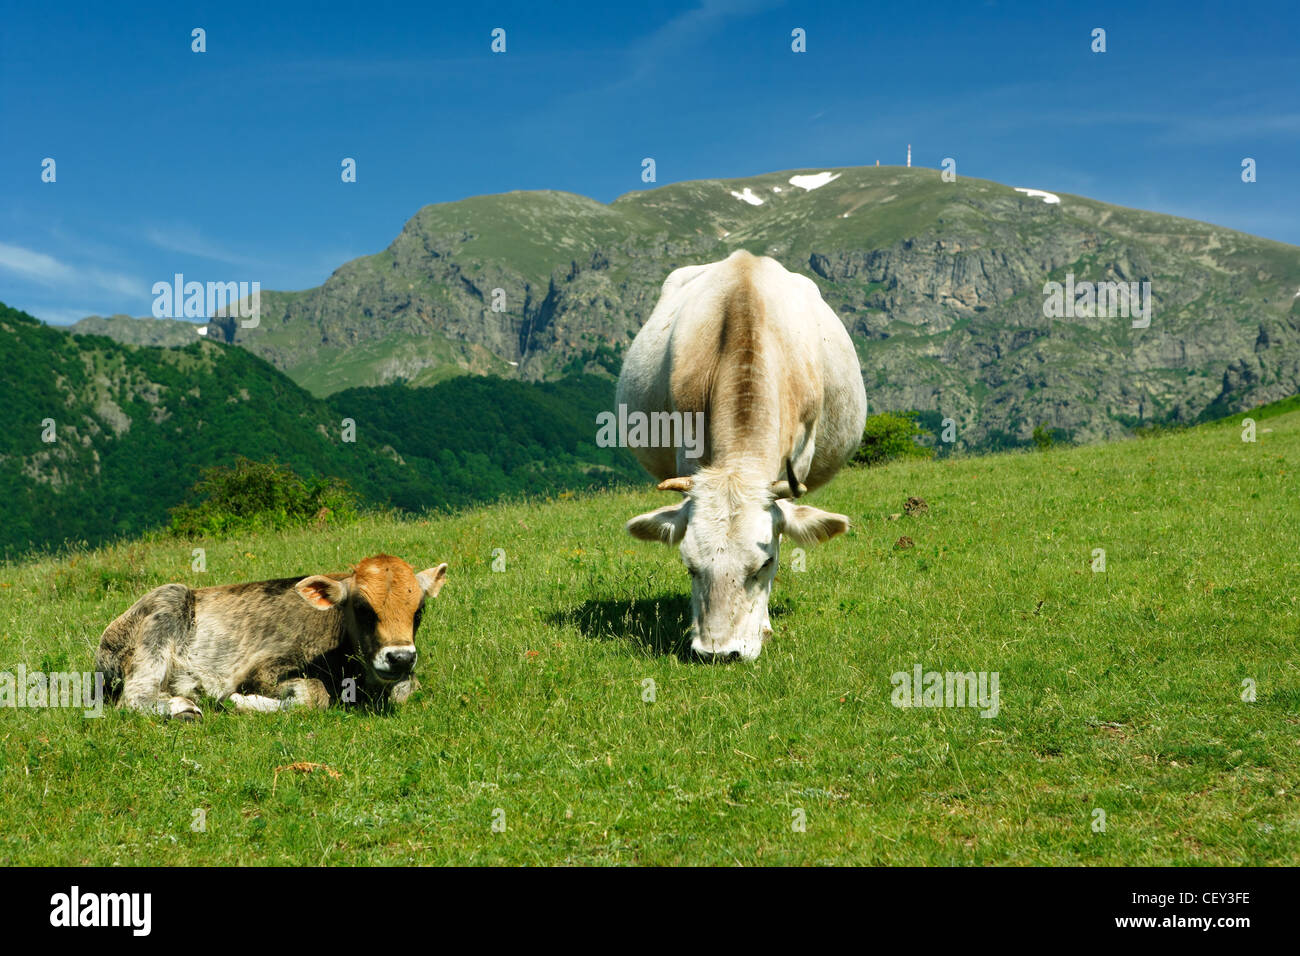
{"x": 146, "y": 331}
{"x": 940, "y": 284}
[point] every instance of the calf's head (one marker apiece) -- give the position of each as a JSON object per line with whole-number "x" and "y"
{"x": 382, "y": 601}
{"x": 729, "y": 531}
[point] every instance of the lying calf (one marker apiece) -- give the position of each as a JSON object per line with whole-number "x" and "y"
{"x": 272, "y": 644}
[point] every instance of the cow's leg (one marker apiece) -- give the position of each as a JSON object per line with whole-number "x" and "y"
{"x": 299, "y": 692}
{"x": 402, "y": 690}
{"x": 303, "y": 692}
{"x": 143, "y": 686}
{"x": 767, "y": 613}
{"x": 799, "y": 464}
{"x": 182, "y": 708}
{"x": 163, "y": 623}
{"x": 255, "y": 702}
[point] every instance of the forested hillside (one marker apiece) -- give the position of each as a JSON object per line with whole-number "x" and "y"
{"x": 106, "y": 437}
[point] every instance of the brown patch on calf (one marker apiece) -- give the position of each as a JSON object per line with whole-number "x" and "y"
{"x": 388, "y": 585}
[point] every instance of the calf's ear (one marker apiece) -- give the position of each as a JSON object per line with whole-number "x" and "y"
{"x": 805, "y": 524}
{"x": 666, "y": 524}
{"x": 321, "y": 592}
{"x": 432, "y": 579}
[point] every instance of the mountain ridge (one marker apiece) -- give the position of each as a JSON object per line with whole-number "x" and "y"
{"x": 940, "y": 284}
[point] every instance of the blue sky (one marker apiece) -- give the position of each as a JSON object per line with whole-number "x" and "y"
{"x": 225, "y": 165}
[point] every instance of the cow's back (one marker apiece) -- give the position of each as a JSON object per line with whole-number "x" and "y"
{"x": 755, "y": 348}
{"x": 251, "y": 631}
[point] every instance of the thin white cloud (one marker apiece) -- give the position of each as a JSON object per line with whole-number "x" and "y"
{"x": 1173, "y": 127}
{"x": 42, "y": 269}
{"x": 189, "y": 242}
{"x": 689, "y": 28}
{"x": 650, "y": 54}
{"x": 1235, "y": 128}
{"x": 34, "y": 266}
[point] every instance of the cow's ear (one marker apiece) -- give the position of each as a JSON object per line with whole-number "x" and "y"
{"x": 805, "y": 524}
{"x": 432, "y": 579}
{"x": 321, "y": 592}
{"x": 666, "y": 524}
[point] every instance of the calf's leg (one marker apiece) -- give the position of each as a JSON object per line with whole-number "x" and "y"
{"x": 398, "y": 693}
{"x": 300, "y": 692}
{"x": 144, "y": 644}
{"x": 255, "y": 702}
{"x": 304, "y": 692}
{"x": 182, "y": 708}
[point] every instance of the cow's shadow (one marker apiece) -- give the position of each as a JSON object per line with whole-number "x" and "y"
{"x": 655, "y": 625}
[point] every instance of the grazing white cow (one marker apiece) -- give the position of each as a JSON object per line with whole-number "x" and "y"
{"x": 754, "y": 348}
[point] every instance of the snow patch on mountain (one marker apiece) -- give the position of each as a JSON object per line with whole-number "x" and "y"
{"x": 1049, "y": 198}
{"x": 815, "y": 181}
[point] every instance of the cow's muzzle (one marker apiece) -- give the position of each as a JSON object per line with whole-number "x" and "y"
{"x": 737, "y": 650}
{"x": 394, "y": 663}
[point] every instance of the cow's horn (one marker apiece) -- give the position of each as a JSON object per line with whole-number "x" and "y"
{"x": 781, "y": 489}
{"x": 676, "y": 484}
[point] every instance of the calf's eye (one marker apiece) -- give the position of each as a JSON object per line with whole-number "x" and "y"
{"x": 366, "y": 617}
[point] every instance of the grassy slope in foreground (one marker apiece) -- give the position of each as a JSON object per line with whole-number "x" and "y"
{"x": 1119, "y": 690}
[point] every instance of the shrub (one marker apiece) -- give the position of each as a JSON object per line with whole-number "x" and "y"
{"x": 1046, "y": 437}
{"x": 889, "y": 436}
{"x": 260, "y": 496}
{"x": 1158, "y": 429}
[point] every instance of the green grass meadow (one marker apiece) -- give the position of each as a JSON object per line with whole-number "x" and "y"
{"x": 1120, "y": 691}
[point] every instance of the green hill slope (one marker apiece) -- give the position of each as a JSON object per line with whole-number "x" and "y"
{"x": 475, "y": 439}
{"x": 1161, "y": 691}
{"x": 130, "y": 427}
{"x": 941, "y": 285}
